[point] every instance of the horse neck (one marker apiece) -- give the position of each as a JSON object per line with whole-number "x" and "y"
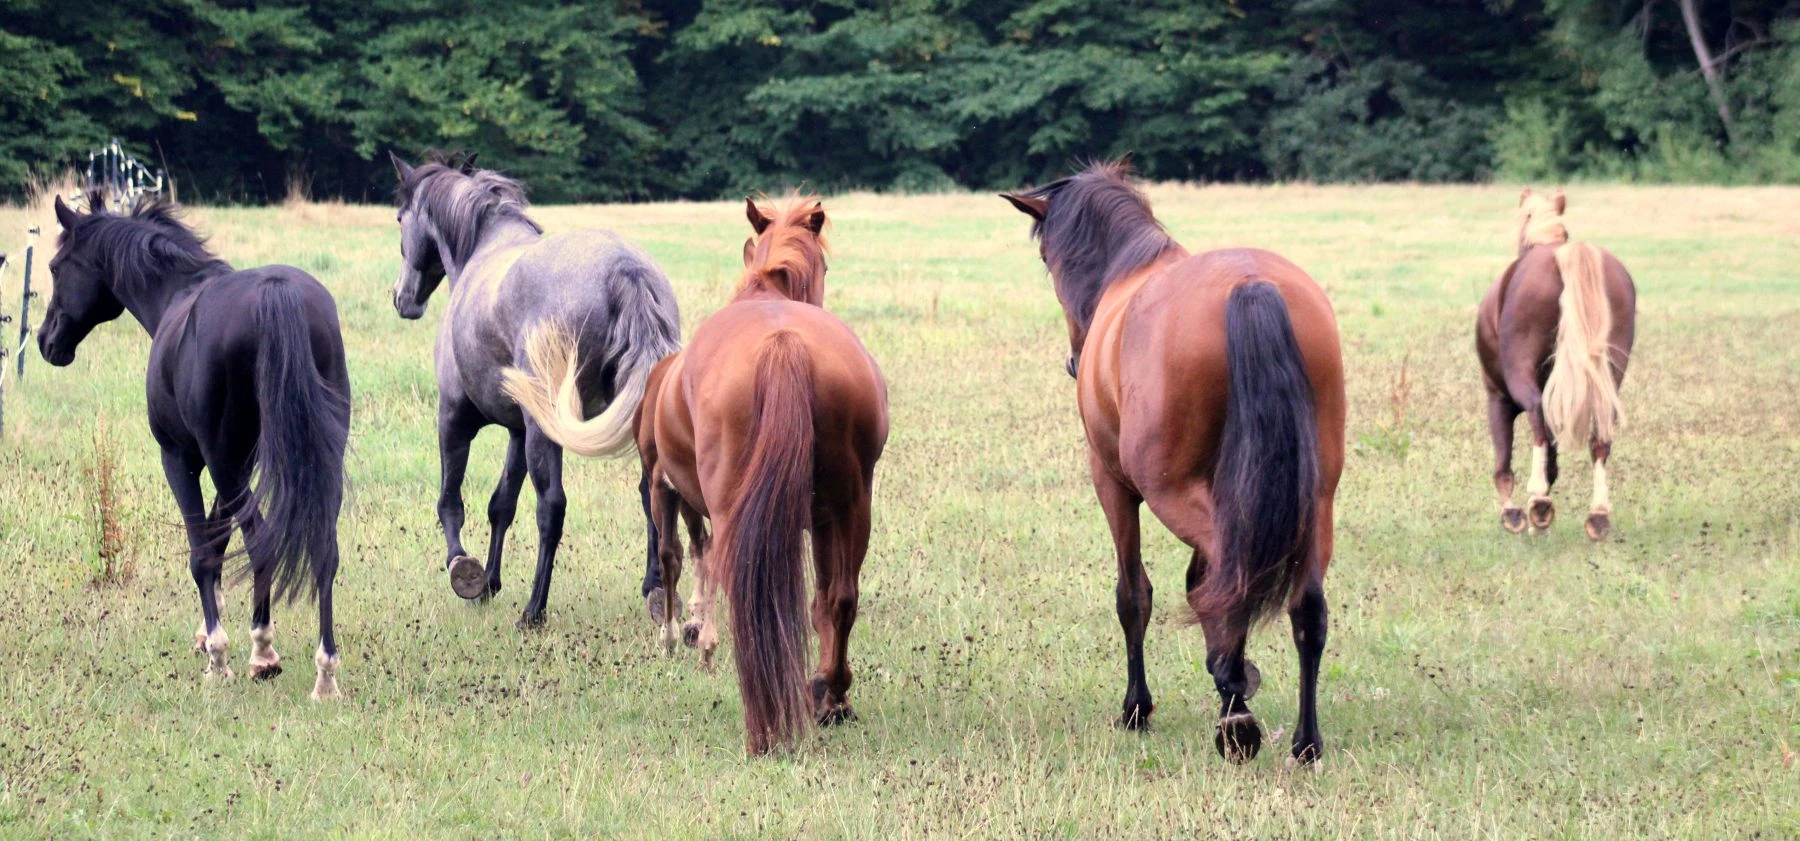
{"x": 1082, "y": 310}
{"x": 150, "y": 302}
{"x": 502, "y": 233}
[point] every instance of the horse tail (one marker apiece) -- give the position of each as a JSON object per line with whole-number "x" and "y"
{"x": 300, "y": 449}
{"x": 1581, "y": 395}
{"x": 645, "y": 329}
{"x": 1265, "y": 485}
{"x": 761, "y": 546}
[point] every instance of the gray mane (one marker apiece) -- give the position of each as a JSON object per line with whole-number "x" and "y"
{"x": 461, "y": 205}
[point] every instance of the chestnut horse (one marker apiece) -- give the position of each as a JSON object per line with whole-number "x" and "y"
{"x": 1554, "y": 335}
{"x": 769, "y": 423}
{"x": 1211, "y": 387}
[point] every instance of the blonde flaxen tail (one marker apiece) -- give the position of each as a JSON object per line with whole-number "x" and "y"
{"x": 1581, "y": 396}
{"x": 551, "y": 398}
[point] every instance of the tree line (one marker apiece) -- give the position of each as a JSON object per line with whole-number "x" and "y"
{"x": 639, "y": 99}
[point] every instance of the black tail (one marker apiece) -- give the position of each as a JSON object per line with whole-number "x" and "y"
{"x": 762, "y": 545}
{"x": 300, "y": 453}
{"x": 1265, "y": 486}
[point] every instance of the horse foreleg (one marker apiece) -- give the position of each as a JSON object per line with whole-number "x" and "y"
{"x": 655, "y": 600}
{"x": 456, "y": 428}
{"x": 1599, "y": 521}
{"x": 543, "y": 460}
{"x": 1502, "y": 413}
{"x": 695, "y": 632}
{"x": 206, "y": 557}
{"x": 1132, "y": 594}
{"x": 503, "y": 505}
{"x": 1542, "y": 512}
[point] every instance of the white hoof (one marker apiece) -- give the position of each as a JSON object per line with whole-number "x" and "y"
{"x": 325, "y": 688}
{"x": 218, "y": 656}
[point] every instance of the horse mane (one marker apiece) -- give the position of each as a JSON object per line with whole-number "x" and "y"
{"x": 461, "y": 201}
{"x": 793, "y": 264}
{"x": 1102, "y": 229}
{"x": 146, "y": 244}
{"x": 1540, "y": 223}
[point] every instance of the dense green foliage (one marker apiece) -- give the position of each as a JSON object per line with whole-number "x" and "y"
{"x": 640, "y": 98}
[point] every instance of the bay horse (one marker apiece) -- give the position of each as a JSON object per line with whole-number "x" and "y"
{"x": 1211, "y": 387}
{"x": 1554, "y": 335}
{"x": 770, "y": 423}
{"x": 588, "y": 295}
{"x": 246, "y": 379}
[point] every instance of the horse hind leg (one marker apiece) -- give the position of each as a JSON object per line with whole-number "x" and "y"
{"x": 265, "y": 664}
{"x": 839, "y": 548}
{"x": 1309, "y": 617}
{"x": 1599, "y": 521}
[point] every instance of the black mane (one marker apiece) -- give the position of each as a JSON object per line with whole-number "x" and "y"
{"x": 461, "y": 201}
{"x": 147, "y": 244}
{"x": 1096, "y": 229}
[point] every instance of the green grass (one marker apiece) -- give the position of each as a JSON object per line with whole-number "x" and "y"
{"x": 1477, "y": 684}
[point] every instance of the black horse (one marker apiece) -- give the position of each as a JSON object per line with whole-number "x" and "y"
{"x": 246, "y": 378}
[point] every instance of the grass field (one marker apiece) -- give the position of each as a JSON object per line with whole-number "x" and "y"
{"x": 1477, "y": 684}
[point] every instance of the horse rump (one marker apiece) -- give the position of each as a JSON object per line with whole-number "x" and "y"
{"x": 761, "y": 543}
{"x": 1581, "y": 397}
{"x": 639, "y": 336}
{"x": 305, "y": 426}
{"x": 1265, "y": 484}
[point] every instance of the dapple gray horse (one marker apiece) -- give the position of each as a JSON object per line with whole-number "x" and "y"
{"x": 510, "y": 287}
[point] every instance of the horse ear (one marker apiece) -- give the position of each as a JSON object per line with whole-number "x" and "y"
{"x": 65, "y": 215}
{"x": 758, "y": 222}
{"x": 1032, "y": 207}
{"x": 402, "y": 169}
{"x": 1523, "y": 195}
{"x": 1559, "y": 201}
{"x": 749, "y": 250}
{"x": 468, "y": 164}
{"x": 816, "y": 221}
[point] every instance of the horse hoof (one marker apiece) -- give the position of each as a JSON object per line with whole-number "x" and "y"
{"x": 1306, "y": 755}
{"x": 262, "y": 673}
{"x": 839, "y": 713}
{"x": 690, "y": 633}
{"x": 531, "y": 622}
{"x": 1252, "y": 679}
{"x": 1543, "y": 513}
{"x": 468, "y": 578}
{"x": 1599, "y": 525}
{"x": 1239, "y": 738}
{"x": 654, "y": 602}
{"x": 1513, "y": 519}
{"x": 1136, "y": 717}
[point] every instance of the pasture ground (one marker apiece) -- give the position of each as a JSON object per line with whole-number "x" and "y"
{"x": 1477, "y": 684}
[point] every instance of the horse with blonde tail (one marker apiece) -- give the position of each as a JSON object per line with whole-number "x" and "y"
{"x": 550, "y": 337}
{"x": 769, "y": 423}
{"x": 1554, "y": 335}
